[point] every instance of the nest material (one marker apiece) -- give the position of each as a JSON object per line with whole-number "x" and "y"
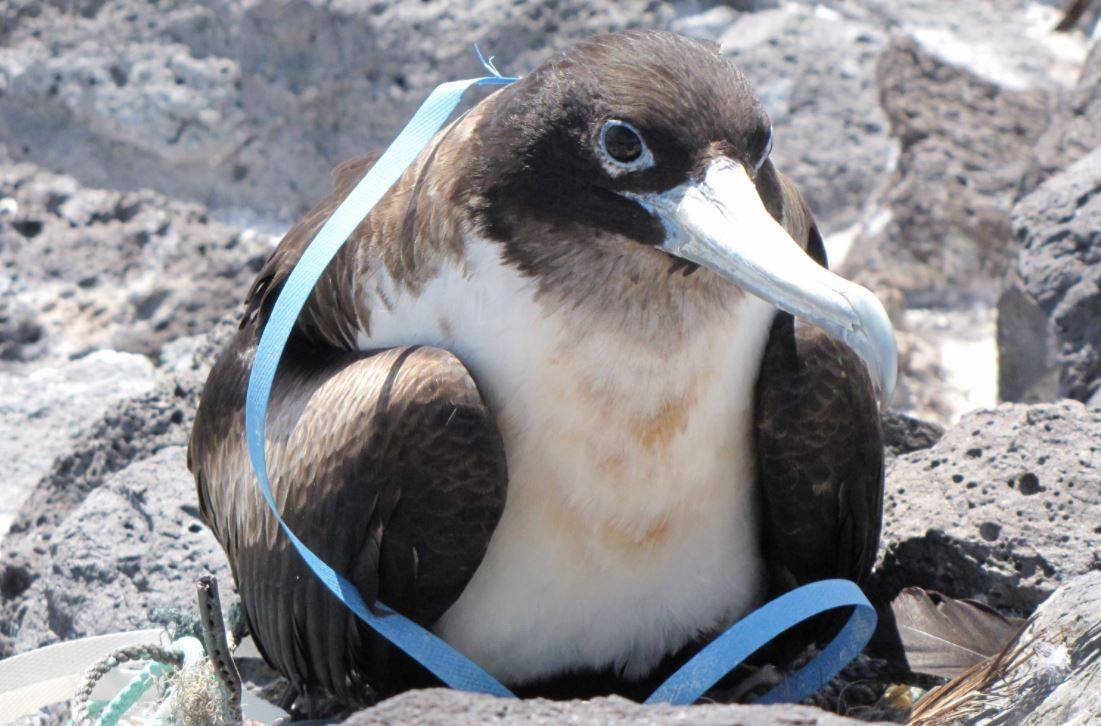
{"x": 198, "y": 698}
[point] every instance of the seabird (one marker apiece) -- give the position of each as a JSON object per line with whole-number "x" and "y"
{"x": 550, "y": 400}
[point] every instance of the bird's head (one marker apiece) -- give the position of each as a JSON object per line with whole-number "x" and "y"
{"x": 637, "y": 156}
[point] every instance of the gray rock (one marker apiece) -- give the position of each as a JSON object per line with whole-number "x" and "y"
{"x": 88, "y": 268}
{"x": 1049, "y": 317}
{"x": 244, "y": 108}
{"x": 814, "y": 72}
{"x": 1007, "y": 42}
{"x": 903, "y": 434}
{"x": 948, "y": 362}
{"x": 944, "y": 235}
{"x": 1060, "y": 681}
{"x": 1053, "y": 674}
{"x": 249, "y": 105}
{"x": 157, "y": 548}
{"x": 1076, "y": 128}
{"x": 42, "y": 410}
{"x": 923, "y": 387}
{"x": 130, "y": 432}
{"x": 21, "y": 332}
{"x": 197, "y": 107}
{"x": 1004, "y": 508}
{"x": 440, "y": 707}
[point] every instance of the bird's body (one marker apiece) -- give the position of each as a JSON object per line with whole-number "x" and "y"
{"x": 565, "y": 476}
{"x": 631, "y": 481}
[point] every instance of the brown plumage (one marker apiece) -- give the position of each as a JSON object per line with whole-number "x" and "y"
{"x": 398, "y": 442}
{"x": 820, "y": 458}
{"x": 819, "y": 443}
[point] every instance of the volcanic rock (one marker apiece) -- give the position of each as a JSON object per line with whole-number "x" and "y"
{"x": 41, "y": 411}
{"x": 1003, "y": 509}
{"x": 89, "y": 584}
{"x": 89, "y": 268}
{"x": 247, "y": 106}
{"x": 160, "y": 496}
{"x": 903, "y": 434}
{"x": 814, "y": 72}
{"x": 1076, "y": 128}
{"x": 943, "y": 237}
{"x": 1049, "y": 317}
{"x": 1051, "y": 673}
{"x": 440, "y": 707}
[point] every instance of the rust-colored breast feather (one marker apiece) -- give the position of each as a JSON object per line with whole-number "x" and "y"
{"x": 389, "y": 465}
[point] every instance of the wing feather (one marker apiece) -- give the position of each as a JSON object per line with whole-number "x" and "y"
{"x": 819, "y": 443}
{"x": 388, "y": 465}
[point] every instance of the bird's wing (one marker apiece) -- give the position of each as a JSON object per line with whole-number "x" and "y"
{"x": 819, "y": 444}
{"x": 329, "y": 315}
{"x": 403, "y": 239}
{"x": 387, "y": 464}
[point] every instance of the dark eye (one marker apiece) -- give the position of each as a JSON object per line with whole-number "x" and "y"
{"x": 622, "y": 142}
{"x": 622, "y": 148}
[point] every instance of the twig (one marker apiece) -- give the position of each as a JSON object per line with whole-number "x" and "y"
{"x": 217, "y": 647}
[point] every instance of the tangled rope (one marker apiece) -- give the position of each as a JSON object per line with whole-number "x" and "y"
{"x": 133, "y": 692}
{"x": 129, "y": 695}
{"x": 205, "y": 682}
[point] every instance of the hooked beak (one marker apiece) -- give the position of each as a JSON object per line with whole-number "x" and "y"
{"x": 722, "y": 224}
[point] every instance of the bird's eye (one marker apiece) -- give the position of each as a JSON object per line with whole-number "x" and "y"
{"x": 622, "y": 148}
{"x": 622, "y": 142}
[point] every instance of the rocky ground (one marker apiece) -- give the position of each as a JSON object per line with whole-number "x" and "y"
{"x": 151, "y": 155}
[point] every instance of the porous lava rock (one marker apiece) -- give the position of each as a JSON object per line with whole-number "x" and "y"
{"x": 943, "y": 235}
{"x": 1049, "y": 316}
{"x": 438, "y": 707}
{"x": 1004, "y": 508}
{"x": 86, "y": 269}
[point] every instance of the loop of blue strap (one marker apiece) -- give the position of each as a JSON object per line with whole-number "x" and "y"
{"x": 446, "y": 663}
{"x": 727, "y": 651}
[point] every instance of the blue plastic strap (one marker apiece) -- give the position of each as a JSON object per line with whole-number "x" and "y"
{"x": 727, "y": 651}
{"x": 449, "y": 665}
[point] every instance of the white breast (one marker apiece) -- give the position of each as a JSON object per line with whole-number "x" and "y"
{"x": 630, "y": 526}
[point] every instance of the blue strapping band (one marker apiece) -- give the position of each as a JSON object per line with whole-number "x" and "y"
{"x": 727, "y": 651}
{"x": 446, "y": 663}
{"x": 449, "y": 665}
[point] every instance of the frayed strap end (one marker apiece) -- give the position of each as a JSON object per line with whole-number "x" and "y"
{"x": 487, "y": 64}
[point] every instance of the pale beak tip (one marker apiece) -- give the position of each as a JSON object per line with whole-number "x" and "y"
{"x": 878, "y": 341}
